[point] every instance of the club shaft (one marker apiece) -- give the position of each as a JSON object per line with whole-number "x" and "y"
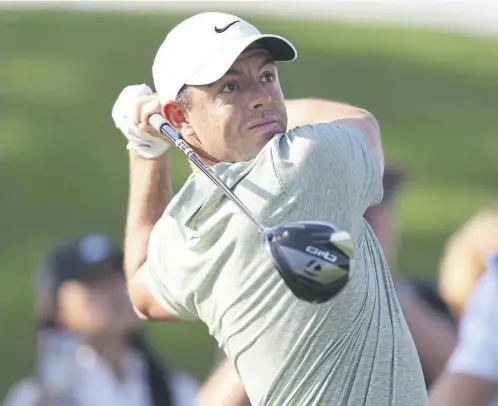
{"x": 158, "y": 122}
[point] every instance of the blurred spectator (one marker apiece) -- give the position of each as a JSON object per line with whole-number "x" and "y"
{"x": 382, "y": 217}
{"x": 463, "y": 261}
{"x": 471, "y": 376}
{"x": 468, "y": 284}
{"x": 89, "y": 349}
{"x": 433, "y": 330}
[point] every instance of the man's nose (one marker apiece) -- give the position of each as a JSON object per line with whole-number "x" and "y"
{"x": 260, "y": 98}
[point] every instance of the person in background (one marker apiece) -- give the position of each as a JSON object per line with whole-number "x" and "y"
{"x": 89, "y": 349}
{"x": 468, "y": 282}
{"x": 462, "y": 264}
{"x": 382, "y": 217}
{"x": 464, "y": 258}
{"x": 471, "y": 375}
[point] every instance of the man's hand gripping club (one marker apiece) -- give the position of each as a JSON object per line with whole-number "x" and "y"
{"x": 135, "y": 104}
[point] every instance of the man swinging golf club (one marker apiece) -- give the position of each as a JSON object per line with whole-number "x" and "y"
{"x": 306, "y": 170}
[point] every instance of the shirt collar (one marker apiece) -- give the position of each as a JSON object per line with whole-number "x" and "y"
{"x": 199, "y": 193}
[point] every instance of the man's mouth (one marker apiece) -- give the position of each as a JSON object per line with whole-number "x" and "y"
{"x": 263, "y": 123}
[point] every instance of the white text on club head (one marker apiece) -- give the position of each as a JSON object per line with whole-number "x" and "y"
{"x": 310, "y": 249}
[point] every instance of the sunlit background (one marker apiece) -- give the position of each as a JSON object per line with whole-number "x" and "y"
{"x": 64, "y": 164}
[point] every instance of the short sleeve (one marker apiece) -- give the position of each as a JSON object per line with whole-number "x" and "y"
{"x": 167, "y": 281}
{"x": 477, "y": 350}
{"x": 332, "y": 161}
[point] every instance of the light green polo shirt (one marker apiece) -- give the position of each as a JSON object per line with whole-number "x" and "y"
{"x": 207, "y": 262}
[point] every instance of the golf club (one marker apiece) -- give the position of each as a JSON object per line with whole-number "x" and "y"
{"x": 315, "y": 259}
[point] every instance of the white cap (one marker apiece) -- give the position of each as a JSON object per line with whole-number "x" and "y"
{"x": 202, "y": 48}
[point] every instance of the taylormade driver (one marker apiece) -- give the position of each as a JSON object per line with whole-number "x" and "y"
{"x": 315, "y": 259}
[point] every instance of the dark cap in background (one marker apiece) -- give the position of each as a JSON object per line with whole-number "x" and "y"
{"x": 394, "y": 177}
{"x": 86, "y": 259}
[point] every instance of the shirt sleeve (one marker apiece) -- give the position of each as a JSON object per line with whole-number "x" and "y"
{"x": 334, "y": 161}
{"x": 477, "y": 350}
{"x": 168, "y": 280}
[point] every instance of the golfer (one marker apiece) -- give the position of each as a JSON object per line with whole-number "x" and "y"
{"x": 195, "y": 256}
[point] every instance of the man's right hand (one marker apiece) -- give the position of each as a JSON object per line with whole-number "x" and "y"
{"x": 131, "y": 111}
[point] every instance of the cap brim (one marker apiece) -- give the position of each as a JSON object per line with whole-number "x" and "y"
{"x": 212, "y": 70}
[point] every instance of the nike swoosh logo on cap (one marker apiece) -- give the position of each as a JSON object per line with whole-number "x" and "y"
{"x": 226, "y": 27}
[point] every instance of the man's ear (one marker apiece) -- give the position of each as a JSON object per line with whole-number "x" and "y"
{"x": 176, "y": 115}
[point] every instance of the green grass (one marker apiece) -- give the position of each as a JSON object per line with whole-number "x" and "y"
{"x": 64, "y": 165}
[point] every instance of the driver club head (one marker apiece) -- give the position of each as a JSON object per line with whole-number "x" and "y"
{"x": 315, "y": 259}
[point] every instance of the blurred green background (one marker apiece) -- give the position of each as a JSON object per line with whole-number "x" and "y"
{"x": 65, "y": 165}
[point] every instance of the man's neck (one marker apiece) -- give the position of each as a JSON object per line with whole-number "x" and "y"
{"x": 206, "y": 158}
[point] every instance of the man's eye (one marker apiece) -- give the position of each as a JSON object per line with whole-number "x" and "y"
{"x": 229, "y": 87}
{"x": 268, "y": 77}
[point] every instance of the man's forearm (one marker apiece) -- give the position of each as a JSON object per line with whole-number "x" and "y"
{"x": 150, "y": 192}
{"x": 313, "y": 111}
{"x": 223, "y": 388}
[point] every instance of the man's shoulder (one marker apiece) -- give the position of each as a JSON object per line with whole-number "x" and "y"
{"x": 331, "y": 129}
{"x": 315, "y": 150}
{"x": 317, "y": 139}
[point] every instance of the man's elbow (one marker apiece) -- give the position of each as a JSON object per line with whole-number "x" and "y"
{"x": 153, "y": 313}
{"x": 371, "y": 131}
{"x": 372, "y": 122}
{"x": 138, "y": 302}
{"x": 369, "y": 125}
{"x": 140, "y": 298}
{"x": 146, "y": 307}
{"x": 141, "y": 315}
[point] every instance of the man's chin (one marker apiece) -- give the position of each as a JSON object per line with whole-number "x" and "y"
{"x": 264, "y": 140}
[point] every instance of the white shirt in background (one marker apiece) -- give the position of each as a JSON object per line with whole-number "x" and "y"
{"x": 98, "y": 386}
{"x": 477, "y": 350}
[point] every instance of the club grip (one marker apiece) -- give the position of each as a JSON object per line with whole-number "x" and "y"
{"x": 161, "y": 125}
{"x": 157, "y": 121}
